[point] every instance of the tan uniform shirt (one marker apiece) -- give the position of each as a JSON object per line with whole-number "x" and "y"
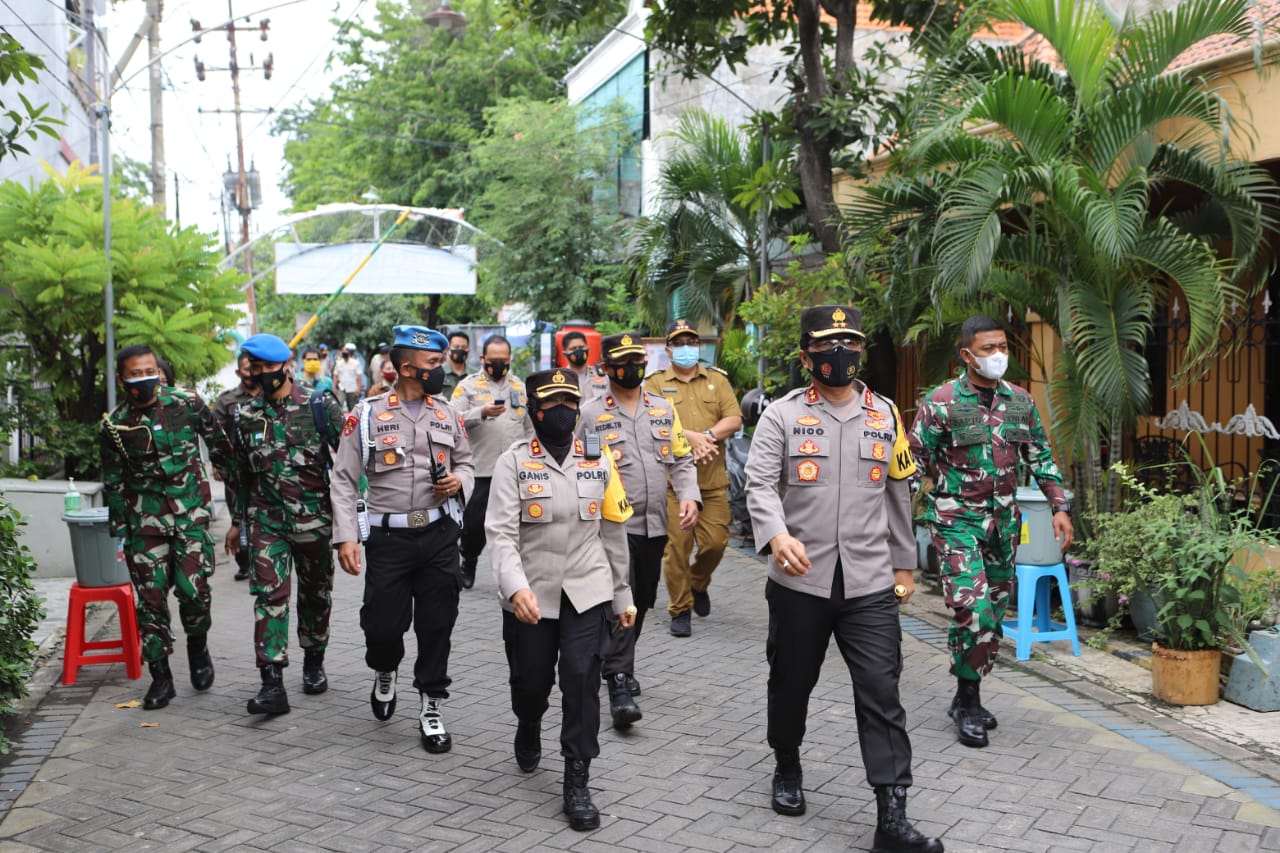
{"x": 702, "y": 402}
{"x": 591, "y": 384}
{"x": 490, "y": 437}
{"x": 649, "y": 449}
{"x": 556, "y": 528}
{"x": 399, "y": 458}
{"x": 839, "y": 487}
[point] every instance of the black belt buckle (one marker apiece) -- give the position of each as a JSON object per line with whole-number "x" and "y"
{"x": 419, "y": 518}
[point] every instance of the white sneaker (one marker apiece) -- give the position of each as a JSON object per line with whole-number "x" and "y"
{"x": 382, "y": 698}
{"x": 435, "y": 738}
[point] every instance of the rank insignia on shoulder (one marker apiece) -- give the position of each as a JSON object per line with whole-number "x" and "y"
{"x": 385, "y": 416}
{"x": 868, "y": 399}
{"x": 807, "y": 471}
{"x": 811, "y": 395}
{"x": 535, "y": 447}
{"x": 393, "y": 399}
{"x": 808, "y": 420}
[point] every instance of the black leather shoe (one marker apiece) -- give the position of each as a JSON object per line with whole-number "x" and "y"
{"x": 382, "y": 698}
{"x": 200, "y": 663}
{"x": 701, "y": 603}
{"x": 581, "y": 811}
{"x": 467, "y": 573}
{"x": 435, "y": 737}
{"x": 633, "y": 686}
{"x": 313, "y": 678}
{"x": 894, "y": 833}
{"x": 622, "y": 707}
{"x": 989, "y": 720}
{"x": 161, "y": 689}
{"x": 272, "y": 698}
{"x": 528, "y": 746}
{"x": 788, "y": 792}
{"x": 682, "y": 625}
{"x": 968, "y": 715}
{"x": 242, "y": 574}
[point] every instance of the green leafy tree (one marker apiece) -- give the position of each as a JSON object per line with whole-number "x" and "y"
{"x": 1103, "y": 187}
{"x": 168, "y": 292}
{"x": 27, "y": 120}
{"x": 537, "y": 165}
{"x": 22, "y": 611}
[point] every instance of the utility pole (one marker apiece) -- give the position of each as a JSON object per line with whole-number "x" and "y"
{"x": 247, "y": 196}
{"x": 91, "y": 76}
{"x": 155, "y": 8}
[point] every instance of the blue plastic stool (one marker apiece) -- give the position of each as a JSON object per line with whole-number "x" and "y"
{"x": 1033, "y": 624}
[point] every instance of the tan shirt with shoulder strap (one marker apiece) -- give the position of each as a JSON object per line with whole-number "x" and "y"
{"x": 491, "y": 436}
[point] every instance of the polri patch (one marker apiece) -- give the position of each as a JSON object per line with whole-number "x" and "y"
{"x": 807, "y": 471}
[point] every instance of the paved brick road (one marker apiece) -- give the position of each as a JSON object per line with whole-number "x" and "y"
{"x": 1072, "y": 766}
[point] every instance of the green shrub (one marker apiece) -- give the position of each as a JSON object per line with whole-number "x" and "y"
{"x": 20, "y": 612}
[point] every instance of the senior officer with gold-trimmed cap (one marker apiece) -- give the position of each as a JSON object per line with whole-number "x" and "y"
{"x": 413, "y": 447}
{"x": 643, "y": 434}
{"x": 829, "y": 493}
{"x": 556, "y": 520}
{"x": 710, "y": 413}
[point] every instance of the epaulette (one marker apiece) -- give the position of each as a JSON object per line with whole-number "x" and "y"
{"x": 716, "y": 369}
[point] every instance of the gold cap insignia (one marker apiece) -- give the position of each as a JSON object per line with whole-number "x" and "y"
{"x": 837, "y": 317}
{"x": 421, "y": 338}
{"x": 557, "y": 377}
{"x": 626, "y": 340}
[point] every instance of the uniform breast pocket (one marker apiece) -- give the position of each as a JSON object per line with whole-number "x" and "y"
{"x": 968, "y": 435}
{"x": 809, "y": 461}
{"x": 301, "y": 430}
{"x": 535, "y": 503}
{"x": 1016, "y": 432}
{"x": 873, "y": 463}
{"x": 389, "y": 458}
{"x": 590, "y": 494}
{"x": 662, "y": 442}
{"x": 443, "y": 441}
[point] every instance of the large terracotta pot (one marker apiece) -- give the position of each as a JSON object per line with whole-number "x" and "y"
{"x": 1185, "y": 678}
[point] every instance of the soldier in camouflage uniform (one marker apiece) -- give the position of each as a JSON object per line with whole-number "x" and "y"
{"x": 224, "y": 411}
{"x": 970, "y": 435}
{"x": 159, "y": 503}
{"x": 283, "y": 441}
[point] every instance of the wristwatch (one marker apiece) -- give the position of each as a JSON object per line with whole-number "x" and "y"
{"x": 1062, "y": 508}
{"x": 710, "y": 434}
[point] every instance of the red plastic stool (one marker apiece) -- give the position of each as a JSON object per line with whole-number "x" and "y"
{"x": 126, "y": 650}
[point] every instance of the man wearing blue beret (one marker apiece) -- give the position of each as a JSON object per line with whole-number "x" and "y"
{"x": 413, "y": 447}
{"x": 282, "y": 443}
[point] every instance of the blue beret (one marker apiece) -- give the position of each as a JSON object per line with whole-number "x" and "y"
{"x": 419, "y": 337}
{"x": 266, "y": 348}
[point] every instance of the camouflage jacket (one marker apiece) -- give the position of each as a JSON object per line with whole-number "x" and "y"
{"x": 151, "y": 467}
{"x": 280, "y": 462}
{"x": 973, "y": 452}
{"x": 224, "y": 407}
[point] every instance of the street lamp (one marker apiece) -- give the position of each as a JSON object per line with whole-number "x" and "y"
{"x": 445, "y": 17}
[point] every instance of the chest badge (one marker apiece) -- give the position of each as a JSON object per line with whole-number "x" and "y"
{"x": 589, "y": 463}
{"x": 878, "y": 451}
{"x": 808, "y": 447}
{"x": 611, "y": 436}
{"x": 808, "y": 420}
{"x": 807, "y": 471}
{"x": 593, "y": 508}
{"x": 533, "y": 466}
{"x": 603, "y": 419}
{"x": 385, "y": 416}
{"x": 656, "y": 412}
{"x": 390, "y": 439}
{"x": 389, "y": 458}
{"x": 535, "y": 510}
{"x": 664, "y": 432}
{"x": 535, "y": 488}
{"x": 877, "y": 473}
{"x": 666, "y": 450}
{"x": 877, "y": 420}
{"x": 441, "y": 416}
{"x": 440, "y": 457}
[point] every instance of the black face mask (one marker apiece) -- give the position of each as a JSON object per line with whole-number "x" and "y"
{"x": 577, "y": 358}
{"x": 458, "y": 356}
{"x": 272, "y": 380}
{"x": 143, "y": 389}
{"x": 496, "y": 369}
{"x": 555, "y": 425}
{"x": 346, "y": 355}
{"x": 627, "y": 375}
{"x": 836, "y": 368}
{"x": 432, "y": 380}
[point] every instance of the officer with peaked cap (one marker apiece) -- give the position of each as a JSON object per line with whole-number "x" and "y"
{"x": 282, "y": 442}
{"x": 829, "y": 493}
{"x": 413, "y": 447}
{"x": 556, "y": 525}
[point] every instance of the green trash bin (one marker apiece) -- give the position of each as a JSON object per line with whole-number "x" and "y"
{"x": 98, "y": 555}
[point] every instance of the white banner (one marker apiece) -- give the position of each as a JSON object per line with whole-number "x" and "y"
{"x": 318, "y": 268}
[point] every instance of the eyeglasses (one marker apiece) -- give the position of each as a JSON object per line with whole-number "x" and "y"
{"x": 829, "y": 344}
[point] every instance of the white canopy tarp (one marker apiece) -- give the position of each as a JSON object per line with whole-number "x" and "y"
{"x": 318, "y": 268}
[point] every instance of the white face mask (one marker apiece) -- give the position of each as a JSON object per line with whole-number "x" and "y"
{"x": 993, "y": 366}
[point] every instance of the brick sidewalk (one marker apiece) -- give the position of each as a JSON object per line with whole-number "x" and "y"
{"x": 1072, "y": 767}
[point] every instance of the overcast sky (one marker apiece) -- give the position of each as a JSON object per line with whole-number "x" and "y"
{"x": 197, "y": 145}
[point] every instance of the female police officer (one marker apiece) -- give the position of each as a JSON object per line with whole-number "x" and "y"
{"x": 560, "y": 559}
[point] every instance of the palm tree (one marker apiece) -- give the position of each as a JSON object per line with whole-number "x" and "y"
{"x": 1061, "y": 185}
{"x": 699, "y": 255}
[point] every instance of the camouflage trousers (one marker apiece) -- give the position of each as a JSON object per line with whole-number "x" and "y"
{"x": 181, "y": 561}
{"x": 278, "y": 555}
{"x": 976, "y": 559}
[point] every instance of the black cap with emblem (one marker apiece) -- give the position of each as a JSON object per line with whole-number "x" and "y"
{"x": 825, "y": 321}
{"x": 681, "y": 327}
{"x": 615, "y": 347}
{"x": 546, "y": 383}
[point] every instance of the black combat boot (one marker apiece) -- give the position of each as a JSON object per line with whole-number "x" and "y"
{"x": 313, "y": 678}
{"x": 967, "y": 713}
{"x": 161, "y": 689}
{"x": 200, "y": 662}
{"x": 272, "y": 698}
{"x": 894, "y": 833}
{"x": 622, "y": 707}
{"x": 529, "y": 745}
{"x": 577, "y": 799}
{"x": 788, "y": 783}
{"x": 989, "y": 720}
{"x": 467, "y": 573}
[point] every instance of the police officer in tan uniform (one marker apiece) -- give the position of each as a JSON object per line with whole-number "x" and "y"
{"x": 492, "y": 403}
{"x": 591, "y": 382}
{"x": 413, "y": 447}
{"x": 556, "y": 516}
{"x": 828, "y": 489}
{"x": 642, "y": 433}
{"x": 709, "y": 411}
